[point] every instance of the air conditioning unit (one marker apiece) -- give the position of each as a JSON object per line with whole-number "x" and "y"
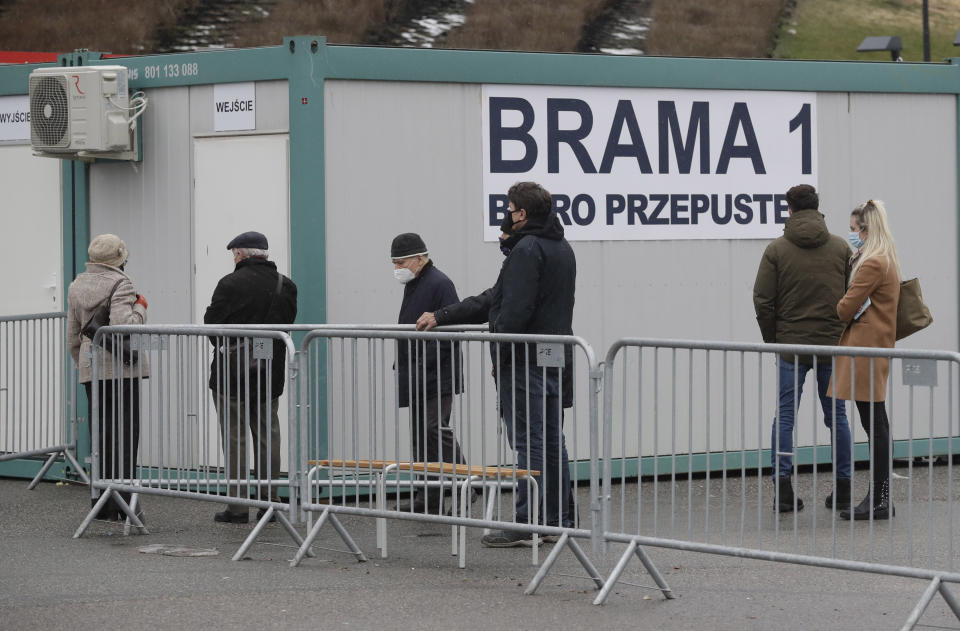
{"x": 83, "y": 112}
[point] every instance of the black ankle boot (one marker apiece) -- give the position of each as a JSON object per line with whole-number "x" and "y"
{"x": 784, "y": 503}
{"x": 882, "y": 506}
{"x": 841, "y": 489}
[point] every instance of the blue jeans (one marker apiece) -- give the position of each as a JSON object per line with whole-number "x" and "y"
{"x": 530, "y": 406}
{"x": 788, "y": 407}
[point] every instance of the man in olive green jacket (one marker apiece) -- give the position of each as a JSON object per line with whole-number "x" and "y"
{"x": 801, "y": 278}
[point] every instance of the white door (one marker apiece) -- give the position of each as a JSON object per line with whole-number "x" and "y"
{"x": 30, "y": 219}
{"x": 241, "y": 183}
{"x": 32, "y": 254}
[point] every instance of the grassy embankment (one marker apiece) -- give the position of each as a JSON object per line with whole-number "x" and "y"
{"x": 342, "y": 22}
{"x": 103, "y": 25}
{"x": 543, "y": 25}
{"x": 832, "y": 29}
{"x": 539, "y": 25}
{"x": 680, "y": 27}
{"x": 733, "y": 28}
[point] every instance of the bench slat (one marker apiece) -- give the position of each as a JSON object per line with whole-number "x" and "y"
{"x": 424, "y": 467}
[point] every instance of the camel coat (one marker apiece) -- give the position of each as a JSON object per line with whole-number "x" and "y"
{"x": 876, "y": 328}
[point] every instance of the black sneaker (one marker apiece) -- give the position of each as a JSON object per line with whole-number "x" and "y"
{"x": 474, "y": 496}
{"x": 263, "y": 511}
{"x": 508, "y": 539}
{"x": 226, "y": 517}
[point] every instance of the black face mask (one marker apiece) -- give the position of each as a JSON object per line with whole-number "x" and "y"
{"x": 507, "y": 224}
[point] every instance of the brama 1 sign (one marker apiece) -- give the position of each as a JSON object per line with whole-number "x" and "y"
{"x": 650, "y": 164}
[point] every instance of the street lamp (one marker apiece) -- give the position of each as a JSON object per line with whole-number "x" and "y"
{"x": 882, "y": 42}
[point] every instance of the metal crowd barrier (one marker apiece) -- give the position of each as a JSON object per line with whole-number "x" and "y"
{"x": 676, "y": 411}
{"x": 376, "y": 458}
{"x": 162, "y": 421}
{"x": 37, "y": 392}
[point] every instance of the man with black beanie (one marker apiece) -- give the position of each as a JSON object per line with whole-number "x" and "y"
{"x": 426, "y": 379}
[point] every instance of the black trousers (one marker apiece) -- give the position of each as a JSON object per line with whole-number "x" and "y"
{"x": 433, "y": 438}
{"x": 119, "y": 427}
{"x": 879, "y": 438}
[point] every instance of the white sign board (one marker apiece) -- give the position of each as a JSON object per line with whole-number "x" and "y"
{"x": 650, "y": 164}
{"x": 14, "y": 118}
{"x": 234, "y": 106}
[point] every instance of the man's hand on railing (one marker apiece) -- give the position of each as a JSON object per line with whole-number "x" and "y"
{"x": 426, "y": 321}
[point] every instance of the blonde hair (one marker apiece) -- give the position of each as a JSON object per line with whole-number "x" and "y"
{"x": 872, "y": 217}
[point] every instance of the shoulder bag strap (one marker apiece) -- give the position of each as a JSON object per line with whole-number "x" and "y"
{"x": 273, "y": 298}
{"x": 106, "y": 302}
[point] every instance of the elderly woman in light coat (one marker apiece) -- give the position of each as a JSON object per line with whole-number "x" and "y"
{"x": 875, "y": 277}
{"x": 118, "y": 382}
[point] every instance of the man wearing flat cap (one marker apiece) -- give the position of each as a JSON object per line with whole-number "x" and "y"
{"x": 247, "y": 395}
{"x": 426, "y": 379}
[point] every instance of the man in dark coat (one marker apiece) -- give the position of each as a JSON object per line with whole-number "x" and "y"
{"x": 534, "y": 293}
{"x": 246, "y": 394}
{"x": 428, "y": 374}
{"x": 802, "y": 277}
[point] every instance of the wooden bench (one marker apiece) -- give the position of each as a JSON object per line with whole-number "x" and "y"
{"x": 438, "y": 468}
{"x": 466, "y": 476}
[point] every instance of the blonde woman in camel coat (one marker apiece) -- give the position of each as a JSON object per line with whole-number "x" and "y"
{"x": 875, "y": 277}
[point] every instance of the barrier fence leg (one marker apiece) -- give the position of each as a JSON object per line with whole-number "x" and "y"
{"x": 93, "y": 511}
{"x": 547, "y": 564}
{"x": 76, "y": 466}
{"x": 49, "y": 463}
{"x": 308, "y": 540}
{"x": 285, "y": 522}
{"x": 564, "y": 541}
{"x": 585, "y": 562}
{"x": 43, "y": 471}
{"x": 134, "y": 502}
{"x": 952, "y": 602}
{"x": 655, "y": 573}
{"x": 615, "y": 574}
{"x": 634, "y": 549}
{"x": 131, "y": 515}
{"x": 347, "y": 539}
{"x": 254, "y": 534}
{"x": 928, "y": 595}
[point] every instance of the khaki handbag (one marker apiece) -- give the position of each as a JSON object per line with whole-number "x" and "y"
{"x": 912, "y": 313}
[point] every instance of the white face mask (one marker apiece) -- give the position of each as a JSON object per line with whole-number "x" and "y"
{"x": 403, "y": 275}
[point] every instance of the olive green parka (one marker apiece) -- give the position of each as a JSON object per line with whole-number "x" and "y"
{"x": 802, "y": 277}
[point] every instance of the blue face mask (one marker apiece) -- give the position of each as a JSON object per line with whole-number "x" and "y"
{"x": 855, "y": 240}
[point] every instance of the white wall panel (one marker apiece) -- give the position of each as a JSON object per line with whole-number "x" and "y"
{"x": 406, "y": 157}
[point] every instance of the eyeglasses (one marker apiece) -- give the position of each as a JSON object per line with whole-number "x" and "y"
{"x": 516, "y": 211}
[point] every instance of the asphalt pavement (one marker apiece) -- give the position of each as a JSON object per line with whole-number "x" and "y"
{"x": 48, "y": 580}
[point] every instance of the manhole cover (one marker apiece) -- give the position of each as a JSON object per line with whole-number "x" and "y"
{"x": 169, "y": 550}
